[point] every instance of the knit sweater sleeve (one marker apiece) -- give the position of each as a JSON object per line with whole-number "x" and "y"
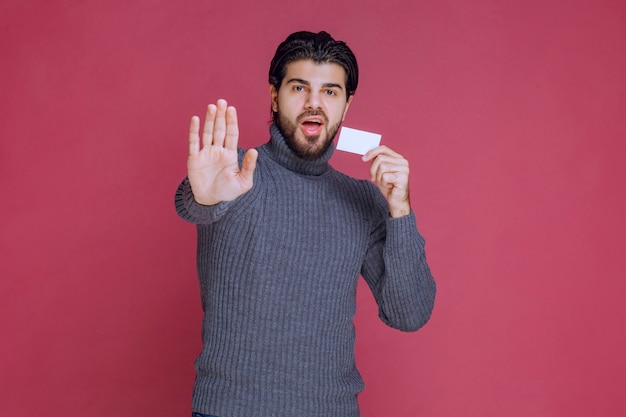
{"x": 192, "y": 211}
{"x": 396, "y": 271}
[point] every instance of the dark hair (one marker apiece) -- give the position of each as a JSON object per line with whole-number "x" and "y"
{"x": 320, "y": 48}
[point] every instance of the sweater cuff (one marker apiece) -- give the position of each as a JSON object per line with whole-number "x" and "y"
{"x": 190, "y": 210}
{"x": 400, "y": 227}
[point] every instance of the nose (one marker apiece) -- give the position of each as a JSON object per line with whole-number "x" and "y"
{"x": 313, "y": 101}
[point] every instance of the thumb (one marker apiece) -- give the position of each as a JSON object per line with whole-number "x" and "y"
{"x": 249, "y": 164}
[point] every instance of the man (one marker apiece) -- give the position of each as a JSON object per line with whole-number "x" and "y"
{"x": 283, "y": 238}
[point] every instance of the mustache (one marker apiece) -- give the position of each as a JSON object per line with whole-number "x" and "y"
{"x": 310, "y": 113}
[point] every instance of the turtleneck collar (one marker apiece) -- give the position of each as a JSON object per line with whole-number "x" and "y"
{"x": 278, "y": 150}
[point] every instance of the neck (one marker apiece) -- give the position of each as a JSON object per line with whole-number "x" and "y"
{"x": 279, "y": 151}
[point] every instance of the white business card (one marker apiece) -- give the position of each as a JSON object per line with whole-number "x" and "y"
{"x": 357, "y": 141}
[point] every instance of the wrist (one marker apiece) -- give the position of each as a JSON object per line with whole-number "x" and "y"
{"x": 400, "y": 210}
{"x": 206, "y": 202}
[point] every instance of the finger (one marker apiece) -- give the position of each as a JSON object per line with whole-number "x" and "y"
{"x": 249, "y": 164}
{"x": 232, "y": 129}
{"x": 378, "y": 151}
{"x": 396, "y": 174}
{"x": 207, "y": 130}
{"x": 374, "y": 170}
{"x": 379, "y": 164}
{"x": 396, "y": 179}
{"x": 219, "y": 128}
{"x": 387, "y": 170}
{"x": 194, "y": 136}
{"x": 386, "y": 156}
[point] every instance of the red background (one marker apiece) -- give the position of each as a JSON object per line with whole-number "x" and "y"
{"x": 512, "y": 114}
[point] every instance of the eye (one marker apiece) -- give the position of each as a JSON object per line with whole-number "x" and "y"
{"x": 298, "y": 88}
{"x": 331, "y": 93}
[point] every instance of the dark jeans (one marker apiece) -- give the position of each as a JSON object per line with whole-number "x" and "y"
{"x": 200, "y": 415}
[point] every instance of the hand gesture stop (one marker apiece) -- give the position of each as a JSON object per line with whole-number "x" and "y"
{"x": 213, "y": 168}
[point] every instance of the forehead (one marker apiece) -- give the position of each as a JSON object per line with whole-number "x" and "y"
{"x": 313, "y": 72}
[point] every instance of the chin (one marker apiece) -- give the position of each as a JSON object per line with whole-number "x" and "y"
{"x": 314, "y": 152}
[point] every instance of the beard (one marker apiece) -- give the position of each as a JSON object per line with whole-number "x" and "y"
{"x": 313, "y": 146}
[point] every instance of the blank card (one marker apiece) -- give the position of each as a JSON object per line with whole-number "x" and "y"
{"x": 357, "y": 141}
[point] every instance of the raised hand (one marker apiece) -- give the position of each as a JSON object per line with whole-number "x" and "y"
{"x": 390, "y": 172}
{"x": 213, "y": 168}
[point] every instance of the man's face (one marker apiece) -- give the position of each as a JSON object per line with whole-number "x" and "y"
{"x": 311, "y": 104}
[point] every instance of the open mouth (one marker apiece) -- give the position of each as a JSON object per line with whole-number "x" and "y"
{"x": 312, "y": 126}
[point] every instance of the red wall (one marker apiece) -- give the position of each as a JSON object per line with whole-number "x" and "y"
{"x": 512, "y": 114}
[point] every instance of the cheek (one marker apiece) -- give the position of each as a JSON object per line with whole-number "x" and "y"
{"x": 285, "y": 103}
{"x": 339, "y": 112}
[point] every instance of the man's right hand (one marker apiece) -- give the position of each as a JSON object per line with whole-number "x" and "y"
{"x": 213, "y": 170}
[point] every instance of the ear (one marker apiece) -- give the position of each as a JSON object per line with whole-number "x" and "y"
{"x": 345, "y": 111}
{"x": 274, "y": 98}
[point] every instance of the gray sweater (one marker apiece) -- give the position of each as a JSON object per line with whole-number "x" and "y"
{"x": 278, "y": 270}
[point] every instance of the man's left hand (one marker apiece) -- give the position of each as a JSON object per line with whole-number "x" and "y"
{"x": 390, "y": 172}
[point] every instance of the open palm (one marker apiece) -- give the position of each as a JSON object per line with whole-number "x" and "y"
{"x": 213, "y": 168}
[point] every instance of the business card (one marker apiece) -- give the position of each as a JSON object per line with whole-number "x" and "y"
{"x": 357, "y": 141}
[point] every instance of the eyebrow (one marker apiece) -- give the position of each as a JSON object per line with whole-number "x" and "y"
{"x": 305, "y": 82}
